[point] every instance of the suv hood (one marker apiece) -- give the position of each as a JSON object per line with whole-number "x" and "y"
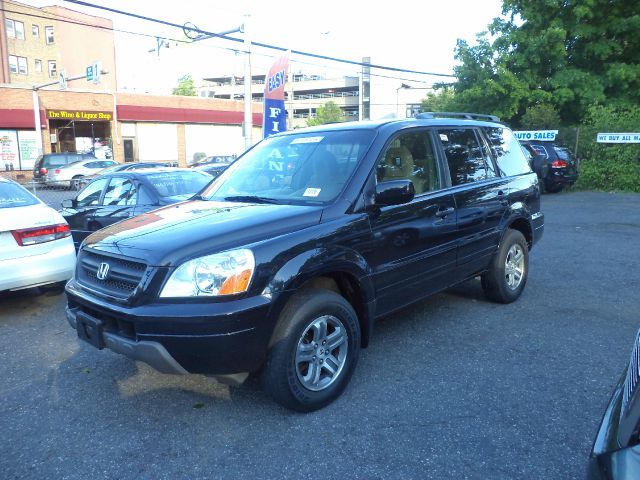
{"x": 171, "y": 234}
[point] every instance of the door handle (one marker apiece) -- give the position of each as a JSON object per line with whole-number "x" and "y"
{"x": 444, "y": 212}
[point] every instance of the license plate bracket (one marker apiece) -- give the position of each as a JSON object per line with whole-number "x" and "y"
{"x": 90, "y": 330}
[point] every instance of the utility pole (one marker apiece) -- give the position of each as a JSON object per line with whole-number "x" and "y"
{"x": 248, "y": 114}
{"x": 192, "y": 32}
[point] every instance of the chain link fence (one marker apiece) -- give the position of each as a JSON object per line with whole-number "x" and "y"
{"x": 52, "y": 194}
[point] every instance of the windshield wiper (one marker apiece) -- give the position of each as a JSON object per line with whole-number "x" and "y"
{"x": 250, "y": 199}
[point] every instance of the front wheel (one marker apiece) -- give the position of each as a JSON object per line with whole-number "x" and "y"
{"x": 509, "y": 269}
{"x": 313, "y": 352}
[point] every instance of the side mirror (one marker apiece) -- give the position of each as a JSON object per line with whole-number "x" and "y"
{"x": 68, "y": 203}
{"x": 394, "y": 192}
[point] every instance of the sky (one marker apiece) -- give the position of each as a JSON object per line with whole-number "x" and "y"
{"x": 407, "y": 34}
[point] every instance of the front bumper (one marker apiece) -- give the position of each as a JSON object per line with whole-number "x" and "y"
{"x": 181, "y": 336}
{"x": 608, "y": 460}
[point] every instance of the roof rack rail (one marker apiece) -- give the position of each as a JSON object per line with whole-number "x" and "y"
{"x": 468, "y": 116}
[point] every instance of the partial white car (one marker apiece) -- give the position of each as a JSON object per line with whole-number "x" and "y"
{"x": 70, "y": 175}
{"x": 36, "y": 248}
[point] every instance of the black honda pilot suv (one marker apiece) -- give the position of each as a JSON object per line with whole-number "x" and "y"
{"x": 281, "y": 266}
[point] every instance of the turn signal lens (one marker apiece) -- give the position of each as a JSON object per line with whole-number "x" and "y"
{"x": 33, "y": 236}
{"x": 236, "y": 283}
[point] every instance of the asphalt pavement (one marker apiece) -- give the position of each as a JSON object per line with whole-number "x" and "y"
{"x": 454, "y": 387}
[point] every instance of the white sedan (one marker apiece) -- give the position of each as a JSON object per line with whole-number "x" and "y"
{"x": 36, "y": 248}
{"x": 69, "y": 175}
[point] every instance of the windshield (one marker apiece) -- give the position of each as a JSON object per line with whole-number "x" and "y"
{"x": 12, "y": 195}
{"x": 564, "y": 154}
{"x": 299, "y": 168}
{"x": 179, "y": 182}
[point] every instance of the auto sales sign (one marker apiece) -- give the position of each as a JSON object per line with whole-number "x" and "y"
{"x": 275, "y": 117}
{"x": 540, "y": 135}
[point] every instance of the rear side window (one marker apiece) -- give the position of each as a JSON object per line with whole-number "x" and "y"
{"x": 55, "y": 160}
{"x": 13, "y": 195}
{"x": 465, "y": 156}
{"x": 506, "y": 149}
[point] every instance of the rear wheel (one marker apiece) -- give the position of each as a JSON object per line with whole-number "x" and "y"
{"x": 509, "y": 269}
{"x": 313, "y": 352}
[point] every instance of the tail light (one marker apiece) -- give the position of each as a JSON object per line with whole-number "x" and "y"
{"x": 33, "y": 236}
{"x": 57, "y": 171}
{"x": 558, "y": 164}
{"x": 43, "y": 171}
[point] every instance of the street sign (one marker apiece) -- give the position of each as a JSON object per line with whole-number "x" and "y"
{"x": 93, "y": 72}
{"x": 543, "y": 135}
{"x": 63, "y": 80}
{"x": 618, "y": 138}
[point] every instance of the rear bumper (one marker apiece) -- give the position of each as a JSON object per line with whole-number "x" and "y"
{"x": 184, "y": 336}
{"x": 560, "y": 177}
{"x": 55, "y": 266}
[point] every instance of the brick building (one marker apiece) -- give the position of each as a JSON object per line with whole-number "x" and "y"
{"x": 36, "y": 44}
{"x": 124, "y": 126}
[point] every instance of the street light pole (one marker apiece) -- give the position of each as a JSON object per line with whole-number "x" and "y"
{"x": 248, "y": 114}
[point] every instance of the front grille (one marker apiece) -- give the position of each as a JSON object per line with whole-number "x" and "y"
{"x": 121, "y": 280}
{"x": 633, "y": 375}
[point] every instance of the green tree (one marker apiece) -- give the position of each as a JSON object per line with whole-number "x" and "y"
{"x": 609, "y": 166}
{"x": 541, "y": 117}
{"x": 186, "y": 87}
{"x": 566, "y": 53}
{"x": 330, "y": 112}
{"x": 442, "y": 100}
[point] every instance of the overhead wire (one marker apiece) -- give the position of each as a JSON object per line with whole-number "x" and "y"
{"x": 259, "y": 44}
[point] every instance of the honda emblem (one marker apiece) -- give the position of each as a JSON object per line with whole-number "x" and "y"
{"x": 103, "y": 271}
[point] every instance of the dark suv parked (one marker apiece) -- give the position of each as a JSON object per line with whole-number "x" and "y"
{"x": 282, "y": 272}
{"x": 556, "y": 166}
{"x": 52, "y": 160}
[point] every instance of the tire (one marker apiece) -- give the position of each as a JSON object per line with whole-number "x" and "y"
{"x": 301, "y": 373}
{"x": 507, "y": 275}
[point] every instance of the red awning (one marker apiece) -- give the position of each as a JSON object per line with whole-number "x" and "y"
{"x": 180, "y": 115}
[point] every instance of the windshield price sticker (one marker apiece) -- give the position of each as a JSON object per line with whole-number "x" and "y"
{"x": 546, "y": 135}
{"x": 307, "y": 140}
{"x": 312, "y": 192}
{"x": 618, "y": 138}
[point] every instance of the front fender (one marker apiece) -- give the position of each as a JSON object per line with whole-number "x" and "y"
{"x": 330, "y": 261}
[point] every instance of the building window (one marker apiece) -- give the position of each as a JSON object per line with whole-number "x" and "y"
{"x": 35, "y": 30}
{"x": 18, "y": 64}
{"x": 48, "y": 33}
{"x": 38, "y": 66}
{"x": 15, "y": 29}
{"x": 53, "y": 71}
{"x": 22, "y": 65}
{"x": 13, "y": 64}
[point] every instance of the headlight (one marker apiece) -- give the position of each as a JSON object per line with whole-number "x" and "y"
{"x": 224, "y": 273}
